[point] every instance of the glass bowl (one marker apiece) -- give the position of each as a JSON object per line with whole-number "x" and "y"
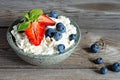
{"x": 41, "y": 59}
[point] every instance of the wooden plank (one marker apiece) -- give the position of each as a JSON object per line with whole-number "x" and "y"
{"x": 56, "y": 74}
{"x": 97, "y": 19}
{"x": 80, "y": 59}
{"x": 88, "y": 14}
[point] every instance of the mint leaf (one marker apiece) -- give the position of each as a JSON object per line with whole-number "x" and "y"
{"x": 34, "y": 14}
{"x": 31, "y": 16}
{"x": 23, "y": 26}
{"x": 26, "y": 15}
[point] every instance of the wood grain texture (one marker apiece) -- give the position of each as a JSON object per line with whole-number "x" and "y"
{"x": 98, "y": 19}
{"x": 56, "y": 74}
{"x": 80, "y": 59}
{"x": 88, "y": 14}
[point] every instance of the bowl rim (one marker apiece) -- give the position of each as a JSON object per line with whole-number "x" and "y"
{"x": 16, "y": 48}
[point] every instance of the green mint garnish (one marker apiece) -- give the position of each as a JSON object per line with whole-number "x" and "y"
{"x": 35, "y": 13}
{"x": 23, "y": 26}
{"x": 26, "y": 15}
{"x": 31, "y": 16}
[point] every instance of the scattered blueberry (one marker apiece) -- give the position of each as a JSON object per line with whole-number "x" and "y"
{"x": 49, "y": 32}
{"x": 72, "y": 37}
{"x": 53, "y": 14}
{"x": 57, "y": 36}
{"x": 99, "y": 60}
{"x": 116, "y": 67}
{"x": 61, "y": 48}
{"x": 103, "y": 70}
{"x": 95, "y": 48}
{"x": 60, "y": 27}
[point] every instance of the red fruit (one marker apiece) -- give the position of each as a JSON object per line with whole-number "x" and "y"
{"x": 45, "y": 20}
{"x": 35, "y": 33}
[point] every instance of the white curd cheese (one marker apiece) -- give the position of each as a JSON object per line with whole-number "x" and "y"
{"x": 48, "y": 45}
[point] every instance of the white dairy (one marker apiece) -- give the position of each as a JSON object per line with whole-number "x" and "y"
{"x": 48, "y": 45}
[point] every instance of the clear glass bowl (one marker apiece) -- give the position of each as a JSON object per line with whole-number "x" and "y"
{"x": 41, "y": 59}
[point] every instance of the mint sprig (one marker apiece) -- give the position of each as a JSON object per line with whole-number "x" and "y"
{"x": 34, "y": 14}
{"x": 23, "y": 26}
{"x": 26, "y": 15}
{"x": 31, "y": 16}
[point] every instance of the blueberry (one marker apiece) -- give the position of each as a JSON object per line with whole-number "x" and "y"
{"x": 95, "y": 48}
{"x": 57, "y": 36}
{"x": 49, "y": 32}
{"x": 61, "y": 48}
{"x": 60, "y": 27}
{"x": 103, "y": 70}
{"x": 53, "y": 14}
{"x": 99, "y": 60}
{"x": 72, "y": 37}
{"x": 116, "y": 67}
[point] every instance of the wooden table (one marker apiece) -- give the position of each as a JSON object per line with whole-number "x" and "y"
{"x": 98, "y": 19}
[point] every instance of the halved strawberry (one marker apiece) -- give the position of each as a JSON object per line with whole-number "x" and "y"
{"x": 46, "y": 20}
{"x": 35, "y": 33}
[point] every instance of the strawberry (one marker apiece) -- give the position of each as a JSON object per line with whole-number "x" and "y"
{"x": 35, "y": 25}
{"x": 46, "y": 20}
{"x": 35, "y": 33}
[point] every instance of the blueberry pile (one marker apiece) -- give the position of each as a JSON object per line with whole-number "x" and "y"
{"x": 95, "y": 48}
{"x": 114, "y": 67}
{"x": 58, "y": 31}
{"x": 57, "y": 35}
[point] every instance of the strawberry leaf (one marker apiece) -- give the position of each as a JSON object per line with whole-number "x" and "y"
{"x": 23, "y": 26}
{"x": 34, "y": 14}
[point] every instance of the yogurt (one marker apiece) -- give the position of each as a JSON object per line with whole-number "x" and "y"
{"x": 48, "y": 45}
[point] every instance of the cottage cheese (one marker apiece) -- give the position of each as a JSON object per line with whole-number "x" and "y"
{"x": 48, "y": 45}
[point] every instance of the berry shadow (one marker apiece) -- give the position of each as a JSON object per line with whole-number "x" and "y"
{"x": 92, "y": 60}
{"x": 109, "y": 67}
{"x": 97, "y": 71}
{"x": 87, "y": 49}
